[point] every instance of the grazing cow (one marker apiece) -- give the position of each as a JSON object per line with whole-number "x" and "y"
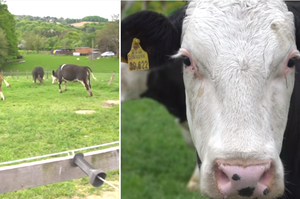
{"x": 6, "y": 83}
{"x": 38, "y": 73}
{"x": 242, "y": 91}
{"x": 71, "y": 72}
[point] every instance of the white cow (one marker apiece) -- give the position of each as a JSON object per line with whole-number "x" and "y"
{"x": 239, "y": 76}
{"x": 238, "y": 88}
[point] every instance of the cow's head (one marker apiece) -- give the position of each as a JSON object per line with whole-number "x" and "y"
{"x": 54, "y": 77}
{"x": 239, "y": 77}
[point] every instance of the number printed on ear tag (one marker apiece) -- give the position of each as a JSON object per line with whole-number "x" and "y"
{"x": 137, "y": 57}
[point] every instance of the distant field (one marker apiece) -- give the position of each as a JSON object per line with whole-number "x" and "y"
{"x": 38, "y": 120}
{"x": 79, "y": 24}
{"x": 52, "y": 62}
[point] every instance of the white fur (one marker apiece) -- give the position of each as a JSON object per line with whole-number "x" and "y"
{"x": 2, "y": 96}
{"x": 54, "y": 79}
{"x": 133, "y": 83}
{"x": 62, "y": 66}
{"x": 185, "y": 131}
{"x": 240, "y": 49}
{"x": 6, "y": 83}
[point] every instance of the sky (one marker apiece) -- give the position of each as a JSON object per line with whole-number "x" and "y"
{"x": 75, "y": 9}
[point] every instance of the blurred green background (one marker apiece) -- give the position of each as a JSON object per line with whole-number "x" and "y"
{"x": 156, "y": 163}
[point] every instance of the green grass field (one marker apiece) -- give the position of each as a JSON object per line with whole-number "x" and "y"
{"x": 52, "y": 62}
{"x": 155, "y": 160}
{"x": 38, "y": 120}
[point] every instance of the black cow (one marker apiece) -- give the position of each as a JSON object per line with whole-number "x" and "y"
{"x": 164, "y": 83}
{"x": 38, "y": 73}
{"x": 154, "y": 40}
{"x": 72, "y": 72}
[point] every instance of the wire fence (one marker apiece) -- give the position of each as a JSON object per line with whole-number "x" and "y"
{"x": 28, "y": 74}
{"x": 64, "y": 153}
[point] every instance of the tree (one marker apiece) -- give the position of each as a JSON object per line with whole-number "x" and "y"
{"x": 94, "y": 18}
{"x": 57, "y": 35}
{"x": 3, "y": 47}
{"x": 34, "y": 41}
{"x": 108, "y": 37}
{"x": 86, "y": 39}
{"x": 29, "y": 40}
{"x": 115, "y": 18}
{"x": 39, "y": 43}
{"x": 7, "y": 24}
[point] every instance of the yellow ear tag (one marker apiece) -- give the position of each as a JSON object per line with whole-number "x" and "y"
{"x": 137, "y": 57}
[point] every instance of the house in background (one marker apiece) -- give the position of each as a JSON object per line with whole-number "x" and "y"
{"x": 83, "y": 50}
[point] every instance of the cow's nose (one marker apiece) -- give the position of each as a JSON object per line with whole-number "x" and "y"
{"x": 238, "y": 180}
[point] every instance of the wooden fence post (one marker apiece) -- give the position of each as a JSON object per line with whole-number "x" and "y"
{"x": 47, "y": 73}
{"x": 17, "y": 74}
{"x": 111, "y": 79}
{"x": 27, "y": 75}
{"x": 12, "y": 74}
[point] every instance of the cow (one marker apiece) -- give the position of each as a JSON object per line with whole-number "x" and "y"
{"x": 72, "y": 72}
{"x": 242, "y": 87}
{"x": 163, "y": 84}
{"x": 6, "y": 83}
{"x": 38, "y": 73}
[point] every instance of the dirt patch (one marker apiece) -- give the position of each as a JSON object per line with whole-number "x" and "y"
{"x": 105, "y": 193}
{"x": 84, "y": 111}
{"x": 110, "y": 103}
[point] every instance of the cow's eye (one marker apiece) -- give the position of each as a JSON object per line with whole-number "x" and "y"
{"x": 291, "y": 63}
{"x": 186, "y": 60}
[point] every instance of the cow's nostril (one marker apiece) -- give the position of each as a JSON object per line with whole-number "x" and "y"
{"x": 236, "y": 177}
{"x": 266, "y": 191}
{"x": 246, "y": 192}
{"x": 222, "y": 178}
{"x": 267, "y": 176}
{"x": 244, "y": 180}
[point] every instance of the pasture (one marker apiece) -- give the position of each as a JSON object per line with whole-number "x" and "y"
{"x": 156, "y": 162}
{"x": 52, "y": 62}
{"x": 38, "y": 120}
